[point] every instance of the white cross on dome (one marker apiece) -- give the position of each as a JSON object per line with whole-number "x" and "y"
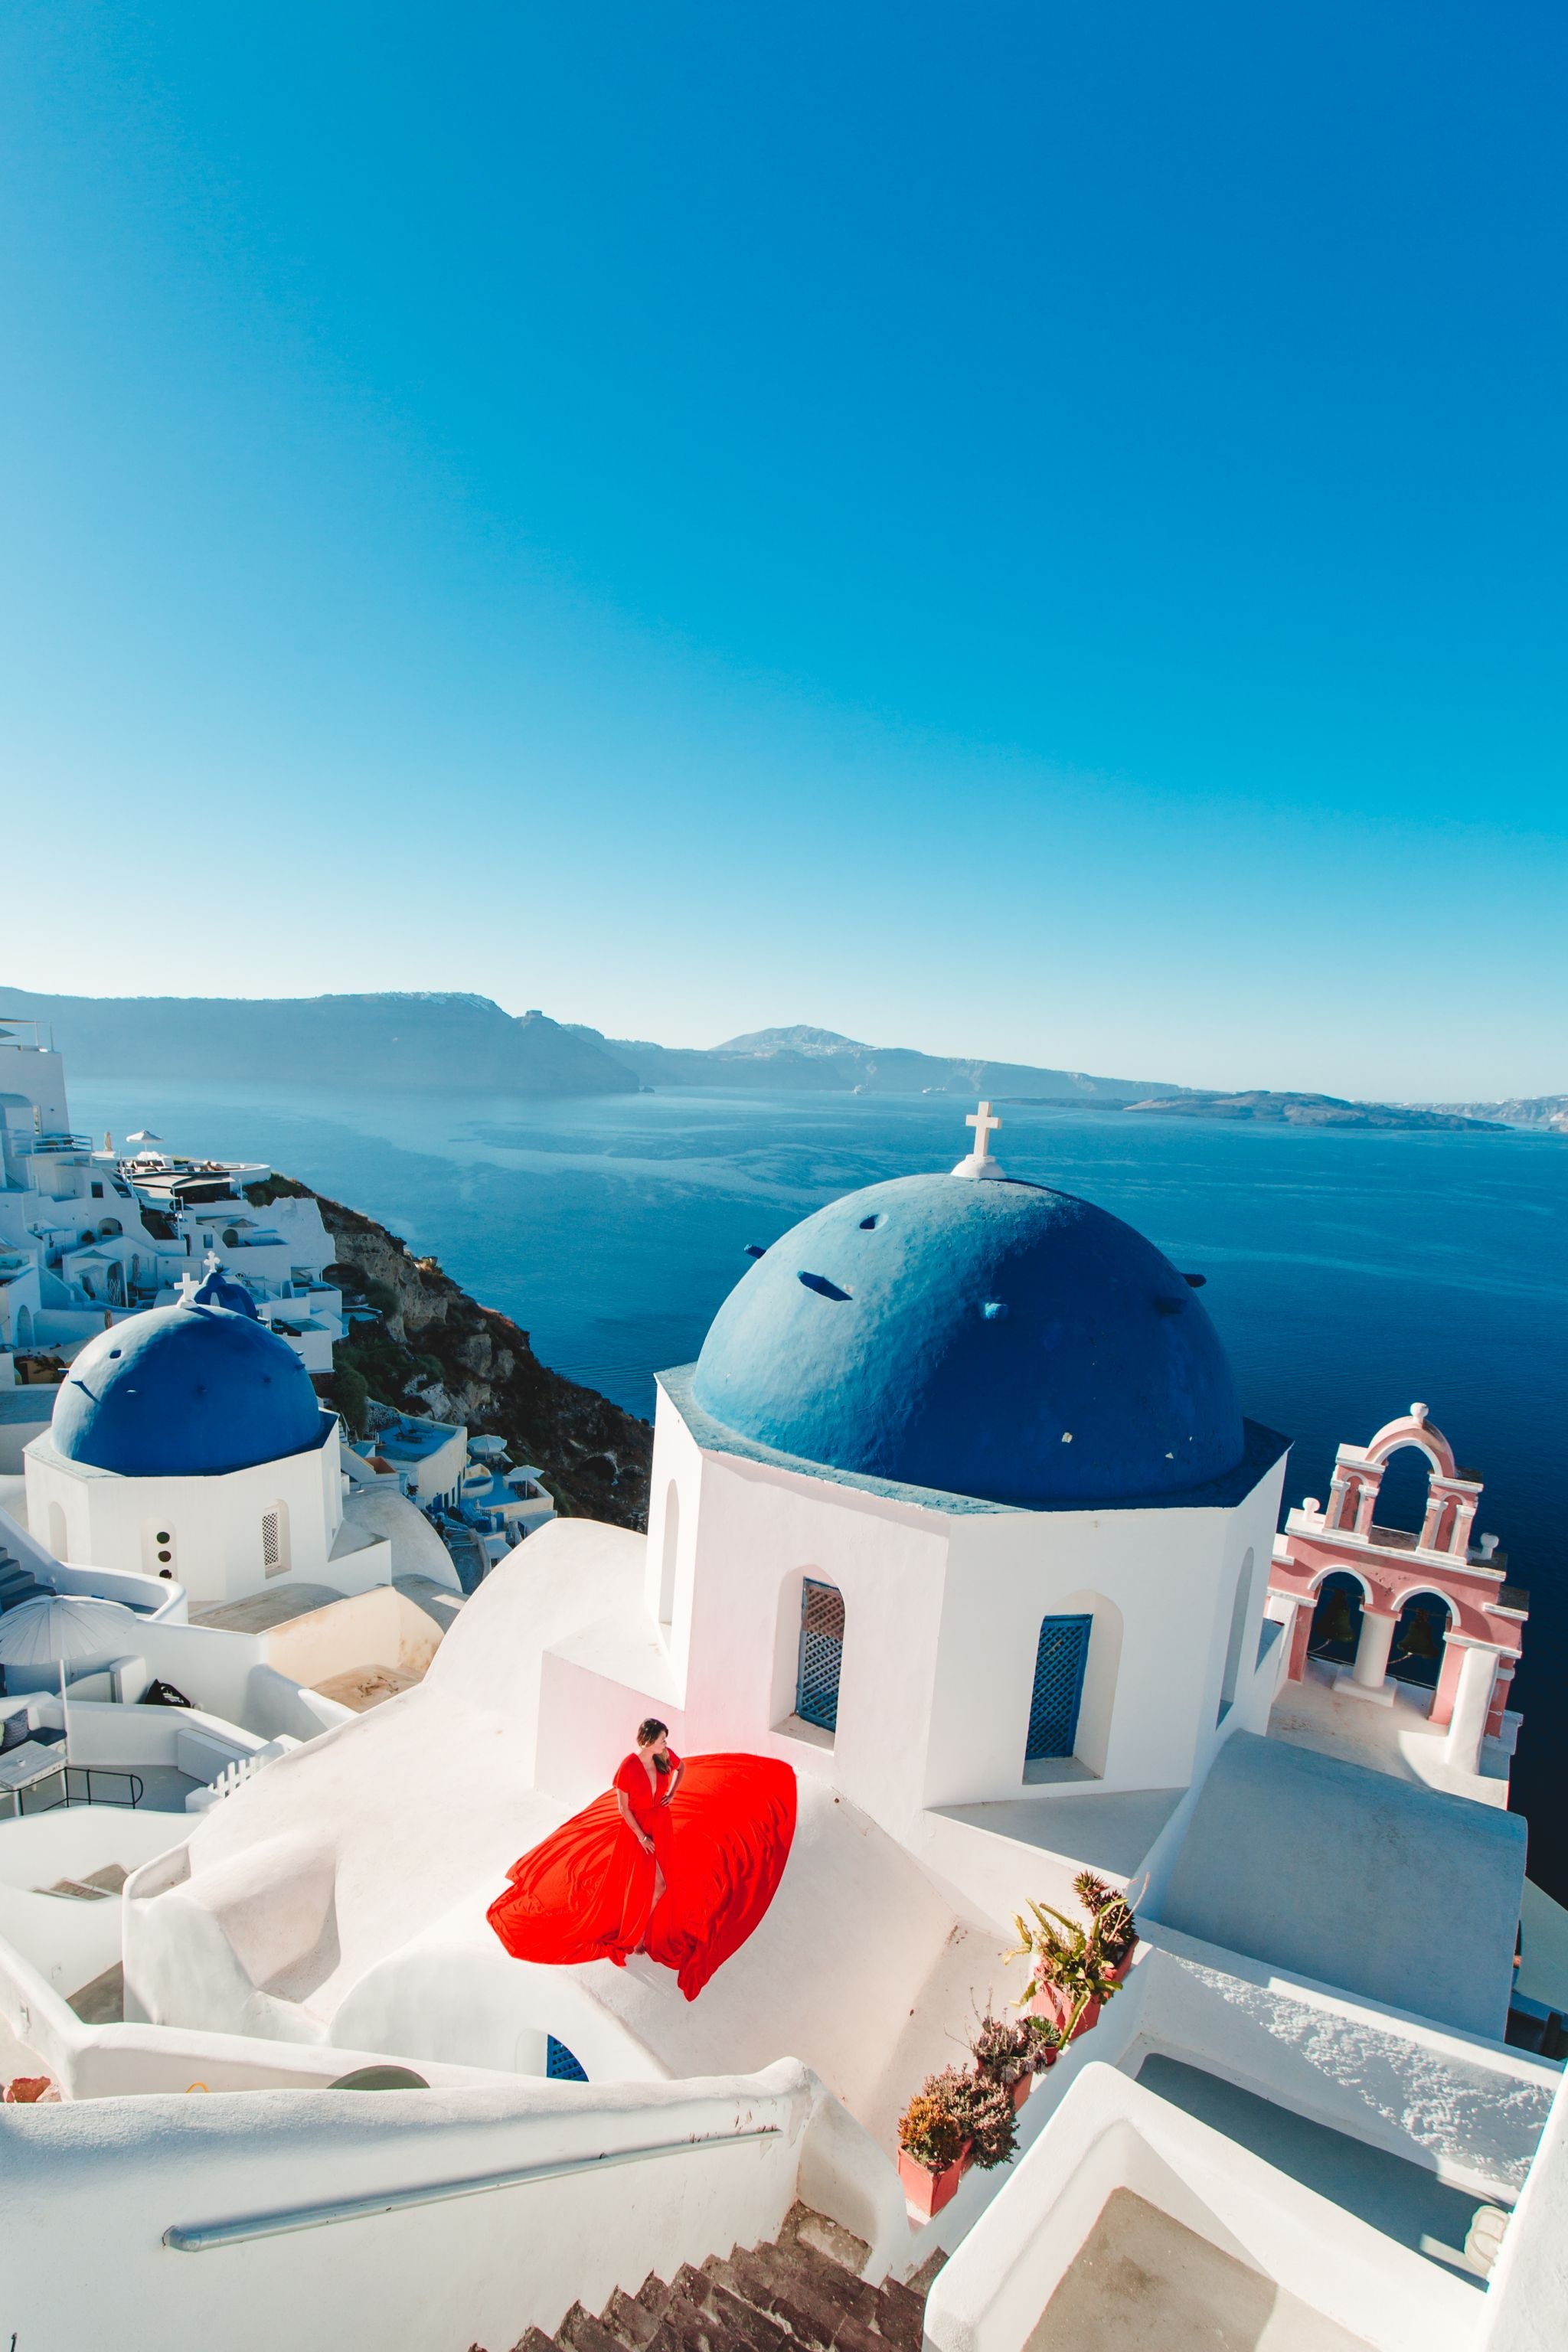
{"x": 980, "y": 1163}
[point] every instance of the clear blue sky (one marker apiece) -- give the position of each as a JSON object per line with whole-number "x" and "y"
{"x": 1028, "y": 529}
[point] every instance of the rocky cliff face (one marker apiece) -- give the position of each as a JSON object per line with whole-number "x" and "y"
{"x": 432, "y": 1348}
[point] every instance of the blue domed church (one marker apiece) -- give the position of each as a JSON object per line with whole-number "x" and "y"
{"x": 188, "y": 1444}
{"x": 957, "y": 1507}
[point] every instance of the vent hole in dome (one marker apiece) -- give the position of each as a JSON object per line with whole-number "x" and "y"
{"x": 822, "y": 1287}
{"x": 869, "y": 1224}
{"x": 114, "y": 1351}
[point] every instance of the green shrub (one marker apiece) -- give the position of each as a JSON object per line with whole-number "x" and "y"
{"x": 349, "y": 1394}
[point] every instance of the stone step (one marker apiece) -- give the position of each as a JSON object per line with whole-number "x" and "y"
{"x": 779, "y": 2283}
{"x": 829, "y": 2276}
{"x": 803, "y": 2290}
{"x": 581, "y": 2332}
{"x": 756, "y": 2329}
{"x": 632, "y": 2321}
{"x": 687, "y": 2326}
{"x": 901, "y": 2316}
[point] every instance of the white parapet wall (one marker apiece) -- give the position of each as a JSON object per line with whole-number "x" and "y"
{"x": 1109, "y": 2134}
{"x": 434, "y": 2218}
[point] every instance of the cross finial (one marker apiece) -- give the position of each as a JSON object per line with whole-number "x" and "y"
{"x": 212, "y": 1263}
{"x": 985, "y": 1124}
{"x": 980, "y": 1163}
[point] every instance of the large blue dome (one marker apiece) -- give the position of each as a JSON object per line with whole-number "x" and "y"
{"x": 185, "y": 1391}
{"x": 990, "y": 1339}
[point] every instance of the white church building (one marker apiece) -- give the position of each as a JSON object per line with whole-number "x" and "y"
{"x": 957, "y": 1513}
{"x": 188, "y": 1444}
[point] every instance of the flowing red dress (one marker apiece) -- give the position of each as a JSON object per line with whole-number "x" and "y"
{"x": 721, "y": 1842}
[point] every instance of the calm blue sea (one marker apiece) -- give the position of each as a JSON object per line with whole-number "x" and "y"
{"x": 1349, "y": 1274}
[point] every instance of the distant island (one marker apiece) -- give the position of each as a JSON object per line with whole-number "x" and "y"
{"x": 816, "y": 1060}
{"x": 1545, "y": 1113}
{"x": 1307, "y": 1110}
{"x": 449, "y": 1041}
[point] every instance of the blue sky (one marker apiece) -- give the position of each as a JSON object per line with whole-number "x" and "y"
{"x": 1027, "y": 529}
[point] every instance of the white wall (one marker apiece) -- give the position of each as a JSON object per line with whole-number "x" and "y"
{"x": 1109, "y": 2134}
{"x": 942, "y": 1612}
{"x": 470, "y": 2269}
{"x": 216, "y": 1524}
{"x": 1529, "y": 2292}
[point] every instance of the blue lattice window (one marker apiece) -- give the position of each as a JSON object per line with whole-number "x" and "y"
{"x": 1059, "y": 1663}
{"x": 821, "y": 1655}
{"x": 559, "y": 2066}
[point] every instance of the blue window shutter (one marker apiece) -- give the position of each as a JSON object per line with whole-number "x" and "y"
{"x": 821, "y": 1655}
{"x": 1059, "y": 1663}
{"x": 560, "y": 2066}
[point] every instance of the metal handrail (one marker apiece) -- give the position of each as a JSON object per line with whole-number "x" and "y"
{"x": 202, "y": 2239}
{"x": 104, "y": 1772}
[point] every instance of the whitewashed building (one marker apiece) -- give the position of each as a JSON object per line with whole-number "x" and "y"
{"x": 957, "y": 1512}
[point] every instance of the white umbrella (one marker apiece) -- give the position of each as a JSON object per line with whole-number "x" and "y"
{"x": 144, "y": 1134}
{"x": 64, "y": 1627}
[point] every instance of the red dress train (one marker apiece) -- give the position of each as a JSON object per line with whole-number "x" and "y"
{"x": 586, "y": 1892}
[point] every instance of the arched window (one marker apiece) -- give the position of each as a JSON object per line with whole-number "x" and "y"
{"x": 821, "y": 1655}
{"x": 1059, "y": 1661}
{"x": 670, "y": 1556}
{"x": 274, "y": 1539}
{"x": 1240, "y": 1600}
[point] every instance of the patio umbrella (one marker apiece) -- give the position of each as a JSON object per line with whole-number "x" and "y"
{"x": 61, "y": 1629}
{"x": 144, "y": 1134}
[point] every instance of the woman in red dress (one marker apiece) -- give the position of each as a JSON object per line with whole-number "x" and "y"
{"x": 677, "y": 1859}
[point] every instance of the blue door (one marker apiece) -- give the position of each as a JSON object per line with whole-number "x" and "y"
{"x": 821, "y": 1655}
{"x": 1058, "y": 1686}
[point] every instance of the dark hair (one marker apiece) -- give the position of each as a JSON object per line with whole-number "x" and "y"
{"x": 649, "y": 1729}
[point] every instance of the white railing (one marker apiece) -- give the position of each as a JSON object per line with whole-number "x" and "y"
{"x": 399, "y": 2200}
{"x": 235, "y": 1773}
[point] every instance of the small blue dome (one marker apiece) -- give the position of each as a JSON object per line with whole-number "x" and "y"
{"x": 220, "y": 1289}
{"x": 986, "y": 1338}
{"x": 185, "y": 1391}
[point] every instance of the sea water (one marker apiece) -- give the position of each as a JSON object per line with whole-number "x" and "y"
{"x": 1349, "y": 1272}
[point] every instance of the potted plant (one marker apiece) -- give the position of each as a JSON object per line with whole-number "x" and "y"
{"x": 1006, "y": 2053}
{"x": 1115, "y": 1927}
{"x": 990, "y": 2117}
{"x": 1046, "y": 2038}
{"x": 1076, "y": 1966}
{"x": 933, "y": 2143}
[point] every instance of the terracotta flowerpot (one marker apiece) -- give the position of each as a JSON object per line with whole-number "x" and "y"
{"x": 1053, "y": 2002}
{"x": 926, "y": 2192}
{"x": 1048, "y": 2002}
{"x": 31, "y": 2090}
{"x": 1021, "y": 2090}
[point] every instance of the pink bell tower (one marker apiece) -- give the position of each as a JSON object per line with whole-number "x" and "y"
{"x": 1485, "y": 1615}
